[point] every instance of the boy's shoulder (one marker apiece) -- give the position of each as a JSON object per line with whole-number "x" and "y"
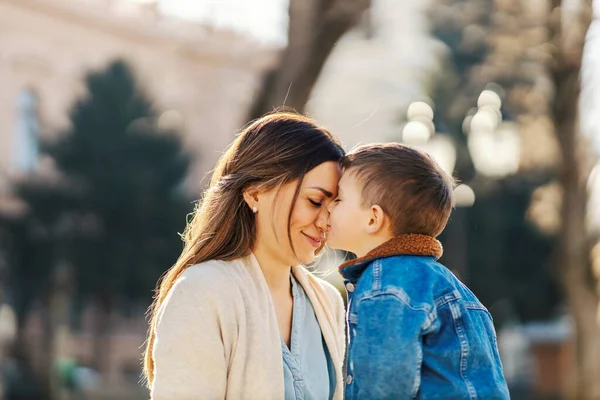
{"x": 409, "y": 267}
{"x": 422, "y": 279}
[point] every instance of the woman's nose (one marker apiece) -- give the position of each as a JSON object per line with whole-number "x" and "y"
{"x": 322, "y": 218}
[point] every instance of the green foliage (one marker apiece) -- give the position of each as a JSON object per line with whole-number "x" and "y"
{"x": 505, "y": 259}
{"x": 116, "y": 211}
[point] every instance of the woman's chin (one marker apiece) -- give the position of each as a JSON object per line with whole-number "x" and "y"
{"x": 307, "y": 257}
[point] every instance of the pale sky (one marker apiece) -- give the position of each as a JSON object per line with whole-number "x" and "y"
{"x": 264, "y": 19}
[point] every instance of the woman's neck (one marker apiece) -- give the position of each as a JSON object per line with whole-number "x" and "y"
{"x": 274, "y": 269}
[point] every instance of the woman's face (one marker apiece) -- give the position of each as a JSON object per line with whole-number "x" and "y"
{"x": 308, "y": 220}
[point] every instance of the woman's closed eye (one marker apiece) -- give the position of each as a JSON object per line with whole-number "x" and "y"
{"x": 315, "y": 203}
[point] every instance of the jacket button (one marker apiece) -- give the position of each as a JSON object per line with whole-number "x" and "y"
{"x": 349, "y": 379}
{"x": 350, "y": 287}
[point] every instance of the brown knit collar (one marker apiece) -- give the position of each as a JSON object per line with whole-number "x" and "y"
{"x": 409, "y": 244}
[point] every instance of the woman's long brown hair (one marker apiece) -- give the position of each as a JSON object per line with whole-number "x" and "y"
{"x": 274, "y": 150}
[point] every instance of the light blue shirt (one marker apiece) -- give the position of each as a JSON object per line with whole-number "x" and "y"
{"x": 307, "y": 367}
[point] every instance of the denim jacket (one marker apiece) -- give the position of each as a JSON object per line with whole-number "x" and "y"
{"x": 414, "y": 330}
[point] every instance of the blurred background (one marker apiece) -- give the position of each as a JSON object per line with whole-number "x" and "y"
{"x": 113, "y": 112}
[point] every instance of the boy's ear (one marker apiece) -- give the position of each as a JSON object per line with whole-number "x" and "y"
{"x": 377, "y": 220}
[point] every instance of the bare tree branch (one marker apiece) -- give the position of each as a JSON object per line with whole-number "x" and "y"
{"x": 314, "y": 29}
{"x": 573, "y": 262}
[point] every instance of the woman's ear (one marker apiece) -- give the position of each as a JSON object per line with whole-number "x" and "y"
{"x": 251, "y": 198}
{"x": 377, "y": 220}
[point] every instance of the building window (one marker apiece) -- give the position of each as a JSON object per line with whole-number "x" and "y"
{"x": 27, "y": 141}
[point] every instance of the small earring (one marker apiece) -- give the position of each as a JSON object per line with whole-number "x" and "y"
{"x": 323, "y": 235}
{"x": 254, "y": 209}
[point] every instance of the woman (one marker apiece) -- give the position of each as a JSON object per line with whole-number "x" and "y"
{"x": 237, "y": 316}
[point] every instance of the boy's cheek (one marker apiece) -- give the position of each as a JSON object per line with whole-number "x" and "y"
{"x": 333, "y": 218}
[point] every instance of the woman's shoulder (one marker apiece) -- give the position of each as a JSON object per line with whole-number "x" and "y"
{"x": 205, "y": 285}
{"x": 200, "y": 293}
{"x": 208, "y": 269}
{"x": 212, "y": 275}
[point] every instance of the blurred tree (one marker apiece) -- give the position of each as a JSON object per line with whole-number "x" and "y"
{"x": 453, "y": 90}
{"x": 533, "y": 50}
{"x": 314, "y": 28}
{"x": 481, "y": 240}
{"x": 28, "y": 255}
{"x": 567, "y": 28}
{"x": 507, "y": 257}
{"x": 113, "y": 212}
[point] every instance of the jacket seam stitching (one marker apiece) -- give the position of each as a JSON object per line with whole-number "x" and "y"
{"x": 398, "y": 295}
{"x": 464, "y": 345}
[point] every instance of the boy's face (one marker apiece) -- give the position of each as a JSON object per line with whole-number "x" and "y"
{"x": 347, "y": 216}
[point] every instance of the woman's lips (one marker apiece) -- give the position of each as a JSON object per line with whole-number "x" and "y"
{"x": 316, "y": 243}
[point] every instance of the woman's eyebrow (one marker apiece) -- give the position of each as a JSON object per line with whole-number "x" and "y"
{"x": 327, "y": 193}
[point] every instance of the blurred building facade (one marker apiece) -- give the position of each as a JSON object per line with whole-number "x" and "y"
{"x": 46, "y": 46}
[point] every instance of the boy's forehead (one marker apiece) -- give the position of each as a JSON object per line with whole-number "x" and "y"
{"x": 348, "y": 179}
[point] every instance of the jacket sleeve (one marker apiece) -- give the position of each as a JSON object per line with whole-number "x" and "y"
{"x": 387, "y": 349}
{"x": 190, "y": 356}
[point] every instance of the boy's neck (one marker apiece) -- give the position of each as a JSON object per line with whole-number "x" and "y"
{"x": 407, "y": 244}
{"x": 372, "y": 242}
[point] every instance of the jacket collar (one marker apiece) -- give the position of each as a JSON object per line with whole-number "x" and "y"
{"x": 409, "y": 244}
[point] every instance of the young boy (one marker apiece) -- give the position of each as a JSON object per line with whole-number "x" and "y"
{"x": 415, "y": 331}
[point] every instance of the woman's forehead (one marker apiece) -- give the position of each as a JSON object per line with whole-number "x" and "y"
{"x": 325, "y": 176}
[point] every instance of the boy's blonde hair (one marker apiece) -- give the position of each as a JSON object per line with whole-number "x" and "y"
{"x": 410, "y": 187}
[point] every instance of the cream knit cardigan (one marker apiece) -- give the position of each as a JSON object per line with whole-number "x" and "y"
{"x": 217, "y": 335}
